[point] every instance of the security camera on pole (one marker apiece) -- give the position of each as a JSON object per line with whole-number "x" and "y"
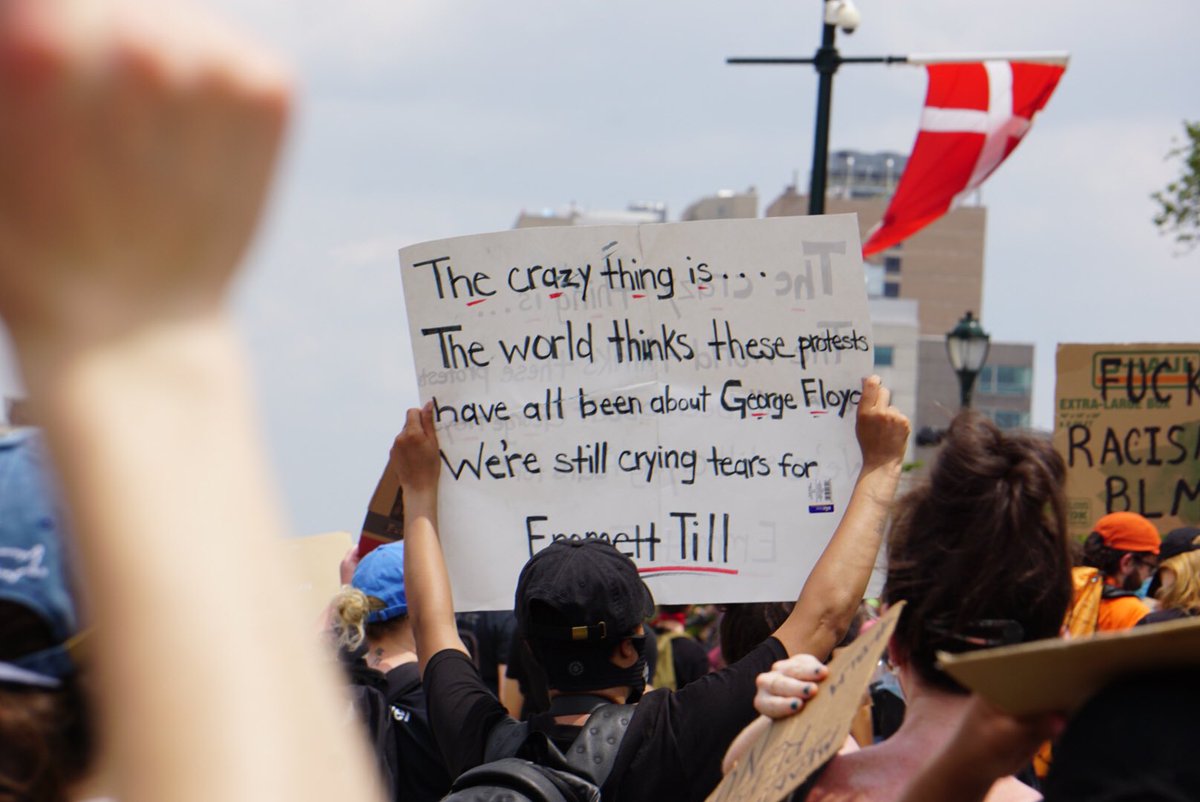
{"x": 1036, "y": 74}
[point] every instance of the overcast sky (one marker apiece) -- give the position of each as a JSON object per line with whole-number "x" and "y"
{"x": 433, "y": 118}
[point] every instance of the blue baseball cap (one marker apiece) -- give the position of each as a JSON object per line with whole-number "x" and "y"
{"x": 33, "y": 559}
{"x": 381, "y": 574}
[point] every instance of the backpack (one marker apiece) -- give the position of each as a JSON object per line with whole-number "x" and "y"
{"x": 664, "y": 668}
{"x": 1084, "y": 611}
{"x": 550, "y": 776}
{"x": 372, "y": 709}
{"x": 1089, "y": 590}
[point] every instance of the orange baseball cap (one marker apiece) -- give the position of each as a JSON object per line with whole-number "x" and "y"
{"x": 1128, "y": 531}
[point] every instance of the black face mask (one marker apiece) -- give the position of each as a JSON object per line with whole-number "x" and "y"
{"x": 575, "y": 668}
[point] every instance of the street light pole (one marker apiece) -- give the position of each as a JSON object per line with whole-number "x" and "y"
{"x": 827, "y": 60}
{"x": 967, "y": 346}
{"x": 836, "y": 14}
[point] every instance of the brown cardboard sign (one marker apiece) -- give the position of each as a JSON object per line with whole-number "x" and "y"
{"x": 1127, "y": 423}
{"x": 1060, "y": 675}
{"x": 315, "y": 560}
{"x": 793, "y": 748}
{"x": 384, "y": 522}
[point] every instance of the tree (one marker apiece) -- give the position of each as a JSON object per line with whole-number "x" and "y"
{"x": 1179, "y": 203}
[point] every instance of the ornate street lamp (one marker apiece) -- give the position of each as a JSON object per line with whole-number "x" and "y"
{"x": 967, "y": 347}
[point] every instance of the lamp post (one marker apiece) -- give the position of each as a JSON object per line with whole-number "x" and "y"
{"x": 836, "y": 14}
{"x": 967, "y": 348}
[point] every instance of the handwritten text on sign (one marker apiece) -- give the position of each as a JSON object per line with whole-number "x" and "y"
{"x": 686, "y": 391}
{"x": 793, "y": 748}
{"x": 1127, "y": 423}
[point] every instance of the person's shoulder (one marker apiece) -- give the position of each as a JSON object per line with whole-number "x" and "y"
{"x": 404, "y": 682}
{"x": 1160, "y": 616}
{"x": 1010, "y": 789}
{"x": 451, "y": 671}
{"x": 1129, "y": 605}
{"x": 1121, "y": 612}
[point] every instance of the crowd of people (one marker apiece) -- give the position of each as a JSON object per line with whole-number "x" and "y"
{"x": 138, "y": 662}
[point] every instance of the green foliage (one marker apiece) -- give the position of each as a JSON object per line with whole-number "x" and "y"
{"x": 1179, "y": 203}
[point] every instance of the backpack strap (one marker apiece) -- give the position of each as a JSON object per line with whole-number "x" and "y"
{"x": 592, "y": 753}
{"x": 505, "y": 739}
{"x": 594, "y": 750}
{"x": 509, "y": 735}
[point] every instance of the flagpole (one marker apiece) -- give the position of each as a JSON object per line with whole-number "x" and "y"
{"x": 826, "y": 61}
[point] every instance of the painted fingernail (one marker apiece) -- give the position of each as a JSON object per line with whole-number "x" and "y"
{"x": 795, "y": 704}
{"x": 809, "y": 689}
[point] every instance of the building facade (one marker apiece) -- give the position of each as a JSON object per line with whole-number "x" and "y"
{"x": 940, "y": 269}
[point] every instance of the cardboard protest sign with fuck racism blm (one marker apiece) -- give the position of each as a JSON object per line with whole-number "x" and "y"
{"x": 1127, "y": 423}
{"x": 686, "y": 391}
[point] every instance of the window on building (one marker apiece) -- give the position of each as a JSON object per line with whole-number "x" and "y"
{"x": 874, "y": 275}
{"x": 885, "y": 355}
{"x": 1011, "y": 419}
{"x": 1013, "y": 380}
{"x": 891, "y": 265}
{"x": 1005, "y": 380}
{"x": 891, "y": 289}
{"x": 983, "y": 382}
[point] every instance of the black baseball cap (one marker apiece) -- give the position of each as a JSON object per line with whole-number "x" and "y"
{"x": 1178, "y": 541}
{"x": 581, "y": 591}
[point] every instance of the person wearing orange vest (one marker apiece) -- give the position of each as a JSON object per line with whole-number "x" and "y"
{"x": 1124, "y": 548}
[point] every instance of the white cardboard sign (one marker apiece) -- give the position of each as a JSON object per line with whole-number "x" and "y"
{"x": 686, "y": 391}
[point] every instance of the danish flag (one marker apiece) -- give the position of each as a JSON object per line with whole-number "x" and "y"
{"x": 975, "y": 115}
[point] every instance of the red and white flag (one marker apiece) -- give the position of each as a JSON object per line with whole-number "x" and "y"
{"x": 975, "y": 115}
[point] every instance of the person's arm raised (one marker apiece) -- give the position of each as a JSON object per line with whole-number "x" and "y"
{"x": 137, "y": 140}
{"x": 416, "y": 459}
{"x": 835, "y": 587}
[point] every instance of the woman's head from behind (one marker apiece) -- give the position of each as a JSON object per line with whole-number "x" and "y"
{"x": 375, "y": 604}
{"x": 979, "y": 550}
{"x": 1181, "y": 582}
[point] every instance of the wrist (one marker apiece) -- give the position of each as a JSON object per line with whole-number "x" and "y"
{"x": 191, "y": 347}
{"x": 888, "y": 470}
{"x": 420, "y": 501}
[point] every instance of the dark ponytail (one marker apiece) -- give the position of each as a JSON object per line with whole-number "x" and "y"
{"x": 979, "y": 550}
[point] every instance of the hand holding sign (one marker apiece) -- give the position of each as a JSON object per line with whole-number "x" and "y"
{"x": 415, "y": 456}
{"x": 783, "y": 690}
{"x": 882, "y": 429}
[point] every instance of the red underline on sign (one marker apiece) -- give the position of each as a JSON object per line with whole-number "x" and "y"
{"x": 702, "y": 286}
{"x": 687, "y": 569}
{"x": 555, "y": 294}
{"x": 818, "y": 412}
{"x": 760, "y": 414}
{"x": 639, "y": 296}
{"x": 477, "y": 301}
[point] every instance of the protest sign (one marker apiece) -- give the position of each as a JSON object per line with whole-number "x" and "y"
{"x": 384, "y": 521}
{"x": 686, "y": 391}
{"x": 1127, "y": 423}
{"x": 1056, "y": 675}
{"x": 795, "y": 747}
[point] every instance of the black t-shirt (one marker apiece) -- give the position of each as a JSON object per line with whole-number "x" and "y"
{"x": 420, "y": 773}
{"x": 672, "y": 749}
{"x": 494, "y": 633}
{"x": 689, "y": 659}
